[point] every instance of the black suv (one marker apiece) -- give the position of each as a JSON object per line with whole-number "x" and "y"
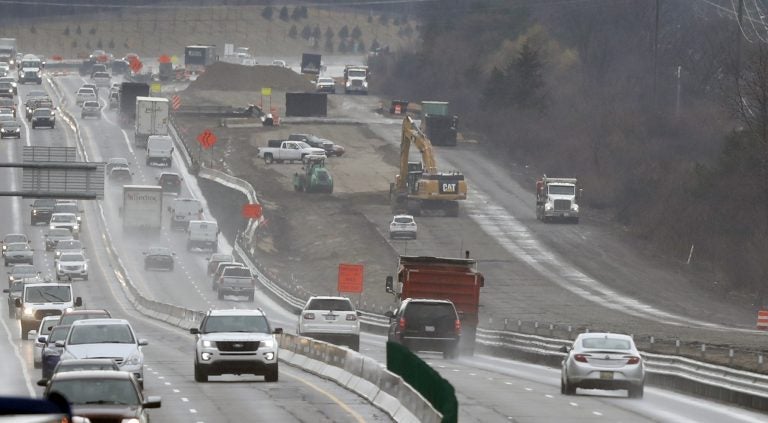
{"x": 171, "y": 182}
{"x": 42, "y": 209}
{"x": 426, "y": 325}
{"x": 43, "y": 117}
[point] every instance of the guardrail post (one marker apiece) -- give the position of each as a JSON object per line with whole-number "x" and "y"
{"x": 730, "y": 357}
{"x": 703, "y": 350}
{"x": 760, "y": 361}
{"x": 570, "y": 335}
{"x": 677, "y": 346}
{"x": 536, "y": 328}
{"x": 506, "y": 321}
{"x": 551, "y": 329}
{"x": 519, "y": 325}
{"x": 652, "y": 340}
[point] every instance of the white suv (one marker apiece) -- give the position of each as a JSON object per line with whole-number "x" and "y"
{"x": 331, "y": 319}
{"x": 65, "y": 220}
{"x": 402, "y": 226}
{"x": 71, "y": 265}
{"x": 235, "y": 342}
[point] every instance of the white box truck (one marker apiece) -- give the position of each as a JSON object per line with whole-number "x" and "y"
{"x": 151, "y": 119}
{"x": 142, "y": 207}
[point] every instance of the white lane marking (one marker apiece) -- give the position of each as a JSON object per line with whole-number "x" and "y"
{"x": 473, "y": 374}
{"x": 597, "y": 413}
{"x": 17, "y": 353}
{"x": 167, "y": 383}
{"x": 528, "y": 389}
{"x": 548, "y": 396}
{"x": 193, "y": 411}
{"x": 508, "y": 383}
{"x": 573, "y": 404}
{"x": 27, "y": 140}
{"x": 176, "y": 391}
{"x": 184, "y": 399}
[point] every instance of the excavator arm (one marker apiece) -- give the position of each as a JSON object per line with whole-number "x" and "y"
{"x": 412, "y": 134}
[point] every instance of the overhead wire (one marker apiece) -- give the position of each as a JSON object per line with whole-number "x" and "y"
{"x": 751, "y": 22}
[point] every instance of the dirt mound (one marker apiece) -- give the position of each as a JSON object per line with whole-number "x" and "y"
{"x": 231, "y": 77}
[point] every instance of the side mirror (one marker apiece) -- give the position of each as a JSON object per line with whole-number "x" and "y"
{"x": 278, "y": 331}
{"x": 5, "y": 291}
{"x": 565, "y": 349}
{"x": 359, "y": 313}
{"x": 390, "y": 314}
{"x": 143, "y": 342}
{"x": 389, "y": 285}
{"x": 41, "y": 339}
{"x": 152, "y": 402}
{"x": 78, "y": 302}
{"x": 194, "y": 331}
{"x": 42, "y": 382}
{"x": 60, "y": 344}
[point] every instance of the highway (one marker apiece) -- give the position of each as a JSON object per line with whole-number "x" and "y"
{"x": 489, "y": 389}
{"x": 169, "y": 356}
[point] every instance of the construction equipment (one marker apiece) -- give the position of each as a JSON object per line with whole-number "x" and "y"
{"x": 420, "y": 186}
{"x": 438, "y": 124}
{"x": 316, "y": 177}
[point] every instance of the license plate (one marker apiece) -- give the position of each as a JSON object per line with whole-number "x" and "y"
{"x": 429, "y": 328}
{"x": 330, "y": 317}
{"x": 606, "y": 375}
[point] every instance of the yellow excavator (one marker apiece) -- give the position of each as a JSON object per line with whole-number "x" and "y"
{"x": 420, "y": 186}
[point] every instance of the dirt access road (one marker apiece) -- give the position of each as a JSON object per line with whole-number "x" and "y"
{"x": 588, "y": 275}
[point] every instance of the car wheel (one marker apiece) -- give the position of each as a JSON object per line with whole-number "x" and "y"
{"x": 271, "y": 375}
{"x": 566, "y": 388}
{"x": 268, "y": 158}
{"x": 635, "y": 391}
{"x": 200, "y": 374}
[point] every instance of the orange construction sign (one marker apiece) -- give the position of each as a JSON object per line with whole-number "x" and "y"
{"x": 350, "y": 278}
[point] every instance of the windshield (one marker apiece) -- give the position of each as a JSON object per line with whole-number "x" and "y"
{"x": 69, "y": 245}
{"x": 302, "y": 144}
{"x": 63, "y": 218}
{"x": 97, "y": 391}
{"x": 18, "y": 247}
{"x": 76, "y": 366}
{"x": 17, "y": 286}
{"x": 403, "y": 220}
{"x": 330, "y": 304}
{"x": 606, "y": 343}
{"x": 48, "y": 294}
{"x": 214, "y": 324}
{"x": 42, "y": 112}
{"x": 101, "y": 334}
{"x": 356, "y": 73}
{"x": 47, "y": 326}
{"x": 71, "y": 257}
{"x": 59, "y": 232}
{"x": 58, "y": 333}
{"x": 562, "y": 189}
{"x": 65, "y": 208}
{"x": 30, "y": 64}
{"x": 68, "y": 319}
{"x": 241, "y": 272}
{"x": 23, "y": 270}
{"x": 15, "y": 238}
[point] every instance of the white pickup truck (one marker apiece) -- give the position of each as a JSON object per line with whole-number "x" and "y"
{"x": 290, "y": 151}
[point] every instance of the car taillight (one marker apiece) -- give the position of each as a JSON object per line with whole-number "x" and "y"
{"x": 457, "y": 326}
{"x": 401, "y": 323}
{"x": 581, "y": 357}
{"x": 309, "y": 316}
{"x": 351, "y": 317}
{"x": 633, "y": 360}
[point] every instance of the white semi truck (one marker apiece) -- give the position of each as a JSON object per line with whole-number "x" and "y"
{"x": 151, "y": 119}
{"x": 142, "y": 207}
{"x": 557, "y": 199}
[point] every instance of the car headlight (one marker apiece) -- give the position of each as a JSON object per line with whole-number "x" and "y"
{"x": 68, "y": 309}
{"x": 269, "y": 356}
{"x": 29, "y": 312}
{"x": 208, "y": 344}
{"x": 365, "y": 84}
{"x": 575, "y": 207}
{"x": 131, "y": 420}
{"x": 269, "y": 343}
{"x": 547, "y": 206}
{"x": 133, "y": 359}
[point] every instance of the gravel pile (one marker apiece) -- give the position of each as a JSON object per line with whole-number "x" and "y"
{"x": 230, "y": 77}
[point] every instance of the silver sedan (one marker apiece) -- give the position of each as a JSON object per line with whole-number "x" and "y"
{"x": 19, "y": 252}
{"x": 603, "y": 361}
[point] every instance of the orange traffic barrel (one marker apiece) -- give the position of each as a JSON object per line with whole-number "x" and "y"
{"x": 762, "y": 320}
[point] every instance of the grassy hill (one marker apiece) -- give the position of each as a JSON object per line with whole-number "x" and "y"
{"x": 153, "y": 32}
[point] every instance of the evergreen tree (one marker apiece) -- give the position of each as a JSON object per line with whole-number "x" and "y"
{"x": 293, "y": 32}
{"x": 284, "y": 13}
{"x": 296, "y": 14}
{"x": 356, "y": 32}
{"x": 316, "y": 32}
{"x": 267, "y": 13}
{"x": 329, "y": 45}
{"x": 78, "y": 31}
{"x": 306, "y": 32}
{"x": 344, "y": 32}
{"x": 329, "y": 34}
{"x": 527, "y": 81}
{"x": 66, "y": 31}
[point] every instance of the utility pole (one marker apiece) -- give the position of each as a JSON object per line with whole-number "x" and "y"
{"x": 655, "y": 51}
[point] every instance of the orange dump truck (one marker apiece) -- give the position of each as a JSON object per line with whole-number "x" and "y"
{"x": 439, "y": 278}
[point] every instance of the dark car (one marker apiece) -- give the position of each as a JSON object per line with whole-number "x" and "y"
{"x": 102, "y": 396}
{"x": 70, "y": 317}
{"x": 426, "y": 325}
{"x": 10, "y": 129}
{"x": 43, "y": 117}
{"x": 215, "y": 259}
{"x": 6, "y": 89}
{"x": 52, "y": 353}
{"x": 15, "y": 291}
{"x": 84, "y": 364}
{"x": 158, "y": 258}
{"x": 42, "y": 209}
{"x": 330, "y": 148}
{"x": 171, "y": 182}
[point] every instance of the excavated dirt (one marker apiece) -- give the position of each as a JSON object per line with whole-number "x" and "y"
{"x": 231, "y": 77}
